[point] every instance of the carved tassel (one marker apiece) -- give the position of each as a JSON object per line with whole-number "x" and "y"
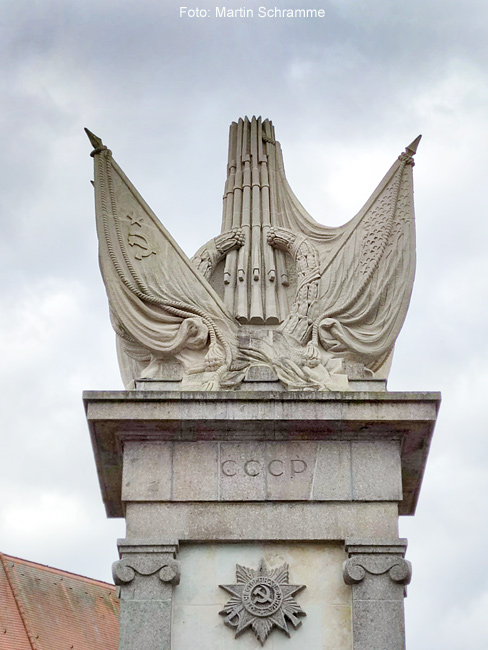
{"x": 214, "y": 358}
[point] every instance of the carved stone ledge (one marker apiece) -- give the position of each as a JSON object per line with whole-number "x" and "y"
{"x": 147, "y": 547}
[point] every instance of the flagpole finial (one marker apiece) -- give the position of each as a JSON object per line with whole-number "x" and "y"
{"x": 411, "y": 150}
{"x": 95, "y": 141}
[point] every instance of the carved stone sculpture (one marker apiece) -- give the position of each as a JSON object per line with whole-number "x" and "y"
{"x": 124, "y": 571}
{"x": 312, "y": 303}
{"x": 398, "y": 569}
{"x": 261, "y": 600}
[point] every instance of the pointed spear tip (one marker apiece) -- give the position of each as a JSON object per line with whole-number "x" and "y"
{"x": 412, "y": 148}
{"x": 94, "y": 139}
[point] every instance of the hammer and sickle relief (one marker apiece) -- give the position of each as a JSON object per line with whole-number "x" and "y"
{"x": 141, "y": 242}
{"x": 261, "y": 595}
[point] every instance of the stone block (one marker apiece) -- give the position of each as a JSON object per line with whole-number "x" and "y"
{"x": 195, "y": 471}
{"x": 242, "y": 472}
{"x": 260, "y": 471}
{"x": 368, "y": 385}
{"x": 231, "y": 522}
{"x": 376, "y": 471}
{"x": 261, "y": 373}
{"x": 326, "y": 599}
{"x": 199, "y": 627}
{"x": 290, "y": 468}
{"x": 147, "y": 471}
{"x": 378, "y": 625}
{"x": 338, "y": 629}
{"x": 145, "y": 625}
{"x": 404, "y": 420}
{"x": 332, "y": 480}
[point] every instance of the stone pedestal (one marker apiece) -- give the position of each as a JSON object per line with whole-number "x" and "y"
{"x": 307, "y": 480}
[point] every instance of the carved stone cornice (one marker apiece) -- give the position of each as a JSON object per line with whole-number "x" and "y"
{"x": 147, "y": 547}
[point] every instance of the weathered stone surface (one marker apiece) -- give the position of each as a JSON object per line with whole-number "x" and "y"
{"x": 145, "y": 625}
{"x": 378, "y": 625}
{"x": 332, "y": 477}
{"x": 376, "y": 471}
{"x": 326, "y": 600}
{"x": 368, "y": 385}
{"x": 147, "y": 471}
{"x": 230, "y": 522}
{"x": 290, "y": 470}
{"x": 241, "y": 474}
{"x": 261, "y": 378}
{"x": 193, "y": 472}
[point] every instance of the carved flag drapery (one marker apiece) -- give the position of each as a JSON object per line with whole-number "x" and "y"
{"x": 275, "y": 288}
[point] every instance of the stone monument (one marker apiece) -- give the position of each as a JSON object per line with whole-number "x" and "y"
{"x": 256, "y": 455}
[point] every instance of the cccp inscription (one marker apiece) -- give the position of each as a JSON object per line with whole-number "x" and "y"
{"x": 288, "y": 468}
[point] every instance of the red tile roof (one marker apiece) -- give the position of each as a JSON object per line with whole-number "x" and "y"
{"x": 47, "y": 609}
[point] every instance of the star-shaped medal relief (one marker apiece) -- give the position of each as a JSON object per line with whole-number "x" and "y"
{"x": 262, "y": 599}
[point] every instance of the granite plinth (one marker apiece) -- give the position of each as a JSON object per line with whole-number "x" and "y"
{"x": 239, "y": 477}
{"x": 400, "y": 423}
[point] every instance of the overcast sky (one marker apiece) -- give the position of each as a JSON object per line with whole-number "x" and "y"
{"x": 346, "y": 94}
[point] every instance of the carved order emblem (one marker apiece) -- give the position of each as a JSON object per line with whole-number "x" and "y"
{"x": 262, "y": 599}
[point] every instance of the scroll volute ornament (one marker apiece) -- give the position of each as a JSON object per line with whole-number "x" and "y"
{"x": 398, "y": 569}
{"x": 167, "y": 570}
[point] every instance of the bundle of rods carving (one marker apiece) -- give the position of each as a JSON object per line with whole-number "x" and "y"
{"x": 255, "y": 276}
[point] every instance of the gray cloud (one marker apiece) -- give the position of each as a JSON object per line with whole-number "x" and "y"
{"x": 346, "y": 94}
